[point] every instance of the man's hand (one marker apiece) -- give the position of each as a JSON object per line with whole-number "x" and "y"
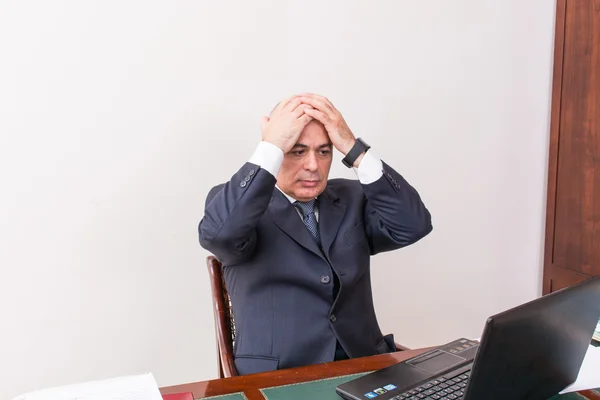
{"x": 323, "y": 111}
{"x": 284, "y": 126}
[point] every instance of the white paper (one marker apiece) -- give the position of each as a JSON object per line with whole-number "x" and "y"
{"x": 137, "y": 387}
{"x": 589, "y": 374}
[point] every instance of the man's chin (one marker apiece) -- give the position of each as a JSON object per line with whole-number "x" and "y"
{"x": 304, "y": 193}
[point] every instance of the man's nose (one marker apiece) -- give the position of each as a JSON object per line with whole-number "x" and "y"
{"x": 310, "y": 163}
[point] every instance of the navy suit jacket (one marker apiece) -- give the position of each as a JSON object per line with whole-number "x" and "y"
{"x": 280, "y": 281}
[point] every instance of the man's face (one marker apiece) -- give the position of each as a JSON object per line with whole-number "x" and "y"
{"x": 305, "y": 168}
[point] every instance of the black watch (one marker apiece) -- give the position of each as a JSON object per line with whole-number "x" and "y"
{"x": 359, "y": 147}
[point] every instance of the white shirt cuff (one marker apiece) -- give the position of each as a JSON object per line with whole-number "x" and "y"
{"x": 268, "y": 157}
{"x": 370, "y": 169}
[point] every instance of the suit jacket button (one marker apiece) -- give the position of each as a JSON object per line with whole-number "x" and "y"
{"x": 243, "y": 184}
{"x": 332, "y": 318}
{"x": 325, "y": 279}
{"x": 251, "y": 172}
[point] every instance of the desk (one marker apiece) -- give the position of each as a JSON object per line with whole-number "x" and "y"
{"x": 250, "y": 385}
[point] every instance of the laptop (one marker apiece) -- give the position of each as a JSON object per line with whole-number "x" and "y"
{"x": 531, "y": 352}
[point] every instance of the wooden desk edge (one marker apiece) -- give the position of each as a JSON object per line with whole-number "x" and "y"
{"x": 254, "y": 382}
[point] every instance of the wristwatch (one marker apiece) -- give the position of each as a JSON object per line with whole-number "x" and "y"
{"x": 359, "y": 147}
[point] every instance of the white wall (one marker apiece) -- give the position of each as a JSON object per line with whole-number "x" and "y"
{"x": 116, "y": 117}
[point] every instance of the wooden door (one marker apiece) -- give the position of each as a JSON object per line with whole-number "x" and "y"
{"x": 572, "y": 247}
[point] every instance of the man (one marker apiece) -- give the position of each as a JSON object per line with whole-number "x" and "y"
{"x": 296, "y": 246}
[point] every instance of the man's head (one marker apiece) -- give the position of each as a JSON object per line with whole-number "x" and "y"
{"x": 305, "y": 168}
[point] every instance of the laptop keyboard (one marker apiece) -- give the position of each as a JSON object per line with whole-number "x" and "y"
{"x": 443, "y": 388}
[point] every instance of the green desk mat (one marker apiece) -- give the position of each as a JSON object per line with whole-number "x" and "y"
{"x": 233, "y": 396}
{"x": 324, "y": 389}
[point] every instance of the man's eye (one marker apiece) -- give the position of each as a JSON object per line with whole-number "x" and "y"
{"x": 298, "y": 152}
{"x": 324, "y": 152}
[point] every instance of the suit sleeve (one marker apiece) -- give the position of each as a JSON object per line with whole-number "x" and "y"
{"x": 232, "y": 212}
{"x": 395, "y": 216}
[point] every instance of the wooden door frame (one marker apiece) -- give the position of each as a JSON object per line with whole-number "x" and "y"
{"x": 559, "y": 43}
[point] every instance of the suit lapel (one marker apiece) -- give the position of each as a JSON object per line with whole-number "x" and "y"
{"x": 331, "y": 213}
{"x": 285, "y": 216}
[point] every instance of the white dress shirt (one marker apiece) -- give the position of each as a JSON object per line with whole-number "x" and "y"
{"x": 270, "y": 157}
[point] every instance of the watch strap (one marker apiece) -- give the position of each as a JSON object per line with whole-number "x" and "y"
{"x": 359, "y": 147}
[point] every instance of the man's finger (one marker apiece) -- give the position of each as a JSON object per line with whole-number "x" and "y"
{"x": 318, "y": 104}
{"x": 292, "y": 105}
{"x": 305, "y": 119}
{"x": 319, "y": 97}
{"x": 299, "y": 111}
{"x": 318, "y": 115}
{"x": 283, "y": 103}
{"x": 313, "y": 95}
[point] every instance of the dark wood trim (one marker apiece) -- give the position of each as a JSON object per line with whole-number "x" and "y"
{"x": 590, "y": 394}
{"x": 250, "y": 384}
{"x": 561, "y": 278}
{"x": 559, "y": 42}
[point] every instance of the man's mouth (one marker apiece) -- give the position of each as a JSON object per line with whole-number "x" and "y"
{"x": 309, "y": 182}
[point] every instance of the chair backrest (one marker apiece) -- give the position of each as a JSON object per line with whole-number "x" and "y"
{"x": 224, "y": 322}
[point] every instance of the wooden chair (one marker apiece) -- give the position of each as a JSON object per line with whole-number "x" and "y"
{"x": 224, "y": 324}
{"x": 224, "y": 321}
